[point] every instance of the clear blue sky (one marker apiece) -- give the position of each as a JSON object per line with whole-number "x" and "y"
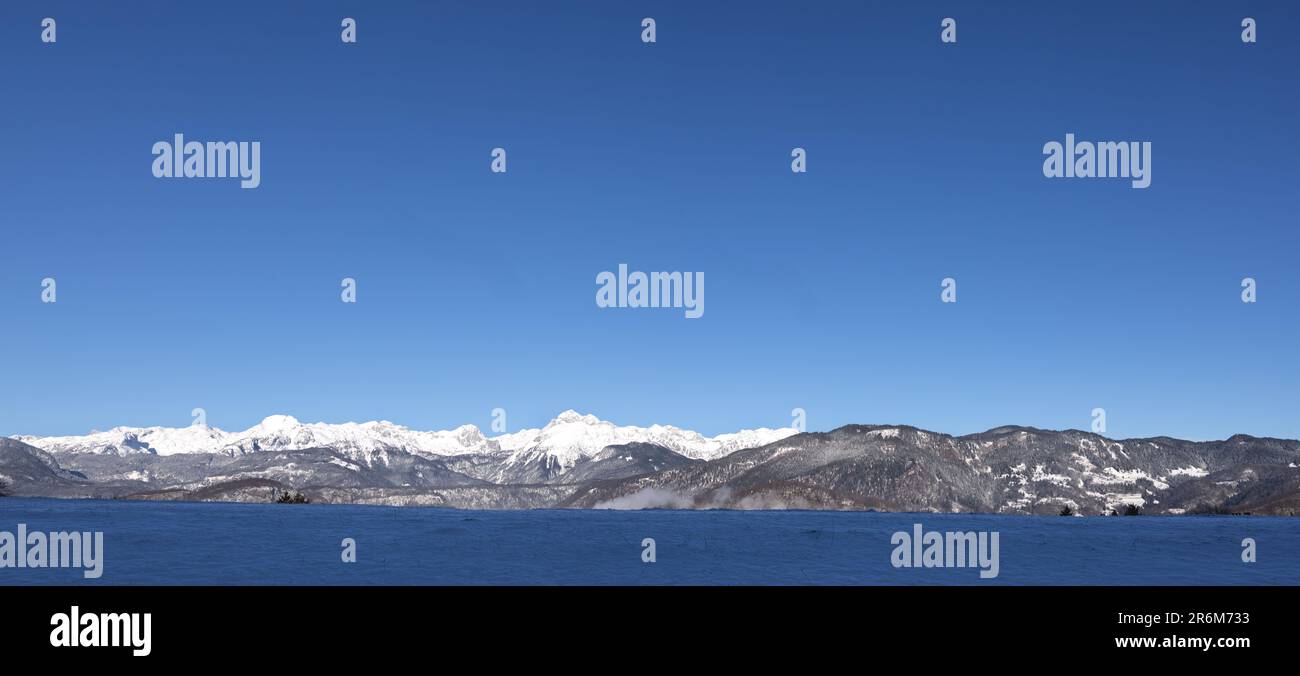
{"x": 476, "y": 290}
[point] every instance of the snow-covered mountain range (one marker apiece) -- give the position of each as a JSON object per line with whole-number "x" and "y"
{"x": 564, "y": 441}
{"x": 581, "y": 461}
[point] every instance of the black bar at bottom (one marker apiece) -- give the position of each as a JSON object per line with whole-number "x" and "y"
{"x": 284, "y": 626}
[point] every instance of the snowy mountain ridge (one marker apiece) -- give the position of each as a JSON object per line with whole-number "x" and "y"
{"x": 565, "y": 440}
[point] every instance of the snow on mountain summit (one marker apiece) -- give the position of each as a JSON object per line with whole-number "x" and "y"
{"x": 572, "y": 436}
{"x": 129, "y": 440}
{"x": 572, "y": 416}
{"x": 278, "y": 422}
{"x": 566, "y": 439}
{"x": 359, "y": 441}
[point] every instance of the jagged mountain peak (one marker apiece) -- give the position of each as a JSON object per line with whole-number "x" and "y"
{"x": 572, "y": 416}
